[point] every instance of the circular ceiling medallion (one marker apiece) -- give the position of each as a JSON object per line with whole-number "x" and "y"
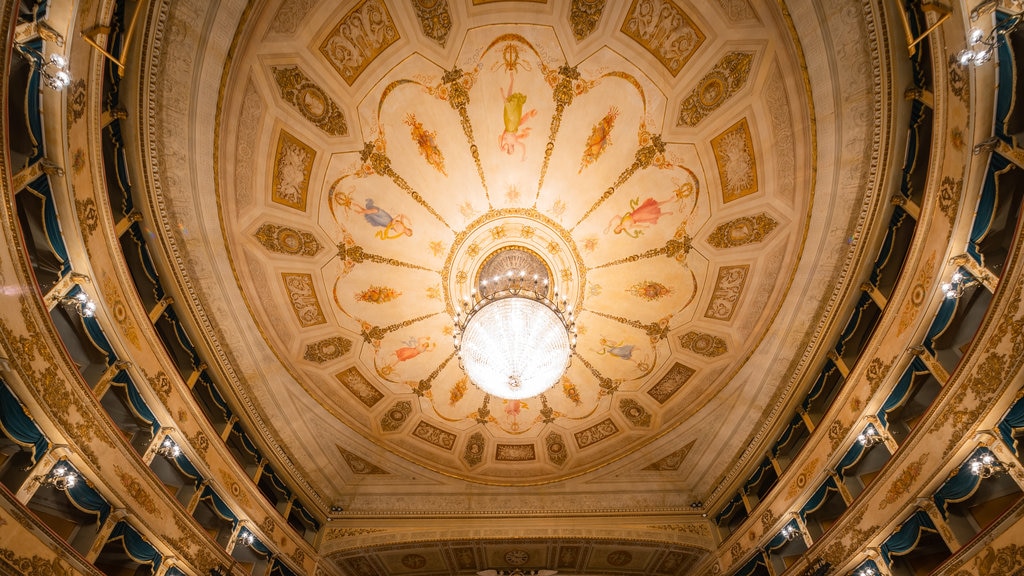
{"x": 517, "y": 557}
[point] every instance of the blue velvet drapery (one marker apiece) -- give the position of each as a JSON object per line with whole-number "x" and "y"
{"x": 901, "y": 391}
{"x": 135, "y": 545}
{"x": 907, "y": 536}
{"x": 136, "y": 401}
{"x": 219, "y": 506}
{"x": 818, "y": 498}
{"x": 961, "y": 485}
{"x": 1013, "y": 421}
{"x": 18, "y": 425}
{"x": 85, "y": 497}
{"x": 986, "y": 203}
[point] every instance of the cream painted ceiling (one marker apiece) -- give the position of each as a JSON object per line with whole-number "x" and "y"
{"x": 352, "y": 167}
{"x": 374, "y": 156}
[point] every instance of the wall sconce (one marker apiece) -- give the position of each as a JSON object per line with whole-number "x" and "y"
{"x": 54, "y": 69}
{"x": 60, "y": 477}
{"x": 869, "y": 437}
{"x": 866, "y": 571}
{"x": 790, "y": 532}
{"x": 981, "y": 46}
{"x": 245, "y": 537}
{"x": 987, "y": 466}
{"x": 168, "y": 449}
{"x": 957, "y": 284}
{"x": 81, "y": 303}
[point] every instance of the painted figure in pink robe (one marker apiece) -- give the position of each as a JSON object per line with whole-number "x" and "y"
{"x": 640, "y": 217}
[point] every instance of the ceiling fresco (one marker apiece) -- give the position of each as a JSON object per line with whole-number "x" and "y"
{"x": 378, "y": 155}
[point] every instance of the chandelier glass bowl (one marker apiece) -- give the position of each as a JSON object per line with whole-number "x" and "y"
{"x": 512, "y": 340}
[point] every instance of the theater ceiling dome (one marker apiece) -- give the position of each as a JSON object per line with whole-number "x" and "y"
{"x": 358, "y": 167}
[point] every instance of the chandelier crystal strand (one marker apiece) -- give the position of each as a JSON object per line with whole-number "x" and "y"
{"x": 512, "y": 340}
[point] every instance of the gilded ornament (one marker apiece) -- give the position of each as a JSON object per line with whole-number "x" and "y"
{"x": 432, "y": 434}
{"x": 672, "y": 462}
{"x": 396, "y": 416}
{"x": 359, "y": 465}
{"x": 361, "y": 35}
{"x": 327, "y": 349}
{"x": 302, "y": 296}
{"x": 435, "y": 19}
{"x": 87, "y": 214}
{"x": 584, "y": 16}
{"x": 635, "y": 413}
{"x": 596, "y": 433}
{"x": 292, "y": 166}
{"x": 703, "y": 344}
{"x": 717, "y": 86}
{"x": 310, "y": 100}
{"x": 286, "y": 240}
{"x": 669, "y": 384}
{"x": 555, "y": 448}
{"x": 76, "y": 102}
{"x": 369, "y": 395}
{"x": 728, "y": 289}
{"x": 949, "y": 196}
{"x": 742, "y": 231}
{"x": 664, "y": 30}
{"x": 737, "y": 165}
{"x": 515, "y": 453}
{"x": 473, "y": 453}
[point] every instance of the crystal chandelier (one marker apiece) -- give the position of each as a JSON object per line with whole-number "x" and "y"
{"x": 512, "y": 340}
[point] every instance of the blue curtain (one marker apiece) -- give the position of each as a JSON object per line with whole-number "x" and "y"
{"x": 751, "y": 567}
{"x": 867, "y": 564}
{"x": 916, "y": 115}
{"x": 278, "y": 568}
{"x": 729, "y": 508}
{"x": 183, "y": 339}
{"x": 247, "y": 444}
{"x": 300, "y": 509}
{"x": 817, "y": 500}
{"x": 1005, "y": 73}
{"x": 850, "y": 459}
{"x": 84, "y": 497}
{"x": 33, "y": 101}
{"x": 788, "y": 434}
{"x": 147, "y": 260}
{"x": 257, "y": 546}
{"x": 185, "y": 466}
{"x": 901, "y": 391}
{"x": 17, "y": 425}
{"x": 215, "y": 395}
{"x": 898, "y": 214}
{"x": 218, "y": 505}
{"x": 1013, "y": 421}
{"x": 95, "y": 332}
{"x": 174, "y": 572}
{"x": 907, "y": 536}
{"x": 851, "y": 326}
{"x": 986, "y": 202}
{"x": 135, "y": 545}
{"x": 51, "y": 223}
{"x": 276, "y": 480}
{"x": 780, "y": 540}
{"x": 944, "y": 316}
{"x": 756, "y": 476}
{"x": 135, "y": 400}
{"x": 961, "y": 485}
{"x": 121, "y": 167}
{"x": 819, "y": 384}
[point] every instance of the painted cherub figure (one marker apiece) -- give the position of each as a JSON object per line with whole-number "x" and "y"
{"x": 513, "y": 115}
